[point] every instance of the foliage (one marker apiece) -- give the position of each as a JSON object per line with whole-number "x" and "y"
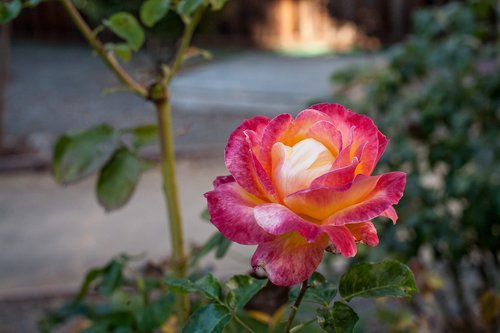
{"x": 438, "y": 97}
{"x": 112, "y": 153}
{"x": 118, "y": 298}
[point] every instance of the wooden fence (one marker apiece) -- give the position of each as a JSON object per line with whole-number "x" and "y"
{"x": 247, "y": 20}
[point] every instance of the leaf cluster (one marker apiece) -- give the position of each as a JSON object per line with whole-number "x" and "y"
{"x": 437, "y": 98}
{"x": 113, "y": 154}
{"x": 365, "y": 280}
{"x": 113, "y": 301}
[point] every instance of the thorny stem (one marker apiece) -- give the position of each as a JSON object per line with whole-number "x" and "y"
{"x": 295, "y": 306}
{"x": 158, "y": 94}
{"x": 172, "y": 198}
{"x": 107, "y": 56}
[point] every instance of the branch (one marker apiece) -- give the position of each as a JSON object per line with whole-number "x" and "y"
{"x": 106, "y": 56}
{"x": 295, "y": 306}
{"x": 185, "y": 41}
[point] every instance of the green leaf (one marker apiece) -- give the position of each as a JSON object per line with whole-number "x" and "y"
{"x": 154, "y": 314}
{"x": 209, "y": 286}
{"x": 123, "y": 329}
{"x": 182, "y": 285}
{"x": 77, "y": 155}
{"x": 31, "y": 3}
{"x": 387, "y": 278}
{"x": 205, "y": 215}
{"x": 319, "y": 291}
{"x": 144, "y": 135}
{"x": 186, "y": 7}
{"x": 241, "y": 289}
{"x": 211, "y": 244}
{"x": 153, "y": 10}
{"x": 340, "y": 319}
{"x": 126, "y": 26}
{"x": 222, "y": 247}
{"x": 111, "y": 277}
{"x": 122, "y": 50}
{"x": 218, "y": 242}
{"x": 217, "y": 4}
{"x": 9, "y": 10}
{"x": 118, "y": 179}
{"x": 211, "y": 318}
{"x": 90, "y": 277}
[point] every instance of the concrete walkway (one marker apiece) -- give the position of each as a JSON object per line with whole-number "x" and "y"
{"x": 53, "y": 89}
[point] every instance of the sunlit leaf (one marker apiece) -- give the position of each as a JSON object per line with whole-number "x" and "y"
{"x": 126, "y": 26}
{"x": 387, "y": 278}
{"x": 153, "y": 10}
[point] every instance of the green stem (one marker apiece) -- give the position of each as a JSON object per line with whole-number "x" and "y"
{"x": 106, "y": 55}
{"x": 295, "y": 306}
{"x": 242, "y": 323}
{"x": 171, "y": 196}
{"x": 301, "y": 326}
{"x": 184, "y": 44}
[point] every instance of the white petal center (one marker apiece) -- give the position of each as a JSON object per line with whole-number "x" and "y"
{"x": 294, "y": 168}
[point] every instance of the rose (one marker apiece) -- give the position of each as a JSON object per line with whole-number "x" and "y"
{"x": 300, "y": 186}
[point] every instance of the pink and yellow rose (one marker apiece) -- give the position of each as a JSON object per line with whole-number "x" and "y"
{"x": 300, "y": 186}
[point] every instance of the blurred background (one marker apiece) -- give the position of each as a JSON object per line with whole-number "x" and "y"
{"x": 426, "y": 71}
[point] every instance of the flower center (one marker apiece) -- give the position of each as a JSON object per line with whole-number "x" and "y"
{"x": 294, "y": 168}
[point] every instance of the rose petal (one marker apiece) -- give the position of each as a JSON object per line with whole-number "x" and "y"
{"x": 219, "y": 180}
{"x": 321, "y": 203}
{"x": 364, "y": 232}
{"x": 289, "y": 259}
{"x": 274, "y": 132}
{"x": 241, "y": 162}
{"x": 326, "y": 133}
{"x": 391, "y": 213}
{"x": 303, "y": 123}
{"x": 339, "y": 178}
{"x": 365, "y": 132}
{"x": 343, "y": 240}
{"x": 367, "y": 198}
{"x": 231, "y": 211}
{"x": 294, "y": 168}
{"x": 388, "y": 192}
{"x": 382, "y": 144}
{"x": 276, "y": 219}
